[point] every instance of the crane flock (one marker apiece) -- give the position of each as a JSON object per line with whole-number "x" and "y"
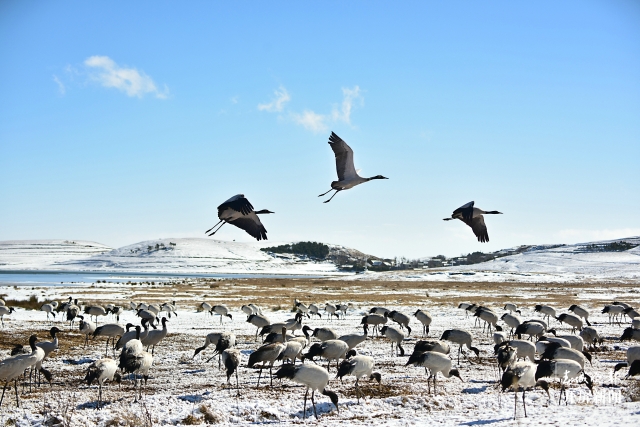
{"x": 239, "y": 211}
{"x": 523, "y": 363}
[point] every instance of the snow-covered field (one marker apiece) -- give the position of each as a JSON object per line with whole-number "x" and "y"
{"x": 543, "y": 264}
{"x": 183, "y": 390}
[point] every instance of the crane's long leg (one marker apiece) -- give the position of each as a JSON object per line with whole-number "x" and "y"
{"x": 17, "y": 398}
{"x": 313, "y": 402}
{"x": 216, "y": 230}
{"x": 304, "y": 405}
{"x": 213, "y": 227}
{"x": 523, "y": 403}
{"x": 334, "y": 195}
{"x": 358, "y": 390}
{"x": 3, "y": 389}
{"x": 259, "y": 375}
{"x": 515, "y": 403}
{"x": 325, "y": 193}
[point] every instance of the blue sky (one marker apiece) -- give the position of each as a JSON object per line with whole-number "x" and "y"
{"x": 127, "y": 121}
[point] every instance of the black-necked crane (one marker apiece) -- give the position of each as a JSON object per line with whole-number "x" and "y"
{"x": 169, "y": 308}
{"x": 72, "y": 312}
{"x": 394, "y": 335}
{"x": 555, "y": 351}
{"x": 489, "y": 318}
{"x": 353, "y": 340}
{"x": 294, "y": 324}
{"x": 634, "y": 369}
{"x": 524, "y": 349}
{"x": 313, "y": 377}
{"x": 460, "y": 337}
{"x": 49, "y": 309}
{"x": 400, "y": 318}
{"x": 239, "y": 212}
{"x": 512, "y": 320}
{"x": 102, "y": 370}
{"x": 87, "y": 328}
{"x": 591, "y": 336}
{"x": 12, "y": 367}
{"x": 293, "y": 348}
{"x": 511, "y": 308}
{"x": 633, "y": 354}
{"x": 614, "y": 312}
{"x": 330, "y": 350}
{"x": 221, "y": 310}
{"x": 431, "y": 345}
{"x": 474, "y": 219}
{"x": 521, "y": 375}
{"x": 379, "y": 310}
{"x": 259, "y": 321}
{"x": 564, "y": 370}
{"x": 500, "y": 337}
{"x": 506, "y": 356}
{"x": 323, "y": 334}
{"x": 206, "y": 307}
{"x": 48, "y": 347}
{"x": 581, "y": 312}
{"x": 630, "y": 334}
{"x": 347, "y": 175}
{"x": 134, "y": 360}
{"x": 130, "y": 333}
{"x": 4, "y": 311}
{"x": 359, "y": 366}
{"x": 435, "y": 362}
{"x": 533, "y": 329}
{"x": 154, "y": 337}
{"x": 331, "y": 309}
{"x": 546, "y": 311}
{"x": 631, "y": 313}
{"x": 214, "y": 338}
{"x": 425, "y": 318}
{"x": 266, "y": 355}
{"x": 95, "y": 311}
{"x": 576, "y": 341}
{"x": 231, "y": 358}
{"x": 574, "y": 321}
{"x": 151, "y": 316}
{"x": 227, "y": 341}
{"x": 314, "y": 311}
{"x": 374, "y": 319}
{"x": 111, "y": 331}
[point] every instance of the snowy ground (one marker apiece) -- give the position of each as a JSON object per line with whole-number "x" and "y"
{"x": 183, "y": 390}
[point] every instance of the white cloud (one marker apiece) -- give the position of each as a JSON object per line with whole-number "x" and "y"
{"x": 577, "y": 235}
{"x": 105, "y": 71}
{"x": 349, "y": 97}
{"x": 277, "y": 105}
{"x": 61, "y": 86}
{"x": 317, "y": 122}
{"x": 311, "y": 121}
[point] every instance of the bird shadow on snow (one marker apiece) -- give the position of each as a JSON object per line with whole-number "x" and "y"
{"x": 475, "y": 390}
{"x": 483, "y": 422}
{"x": 194, "y": 398}
{"x": 81, "y": 361}
{"x": 322, "y": 408}
{"x": 195, "y": 371}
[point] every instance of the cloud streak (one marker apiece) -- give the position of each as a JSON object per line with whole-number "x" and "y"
{"x": 61, "y": 86}
{"x": 277, "y": 105}
{"x": 317, "y": 123}
{"x": 134, "y": 83}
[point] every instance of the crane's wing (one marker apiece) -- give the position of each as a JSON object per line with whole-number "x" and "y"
{"x": 238, "y": 203}
{"x": 344, "y": 158}
{"x": 252, "y": 225}
{"x": 465, "y": 210}
{"x": 478, "y": 227}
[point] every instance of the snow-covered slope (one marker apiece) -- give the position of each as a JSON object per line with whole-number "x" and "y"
{"x": 183, "y": 256}
{"x": 45, "y": 254}
{"x": 540, "y": 264}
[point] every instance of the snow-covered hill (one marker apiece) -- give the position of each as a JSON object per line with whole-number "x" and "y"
{"x": 551, "y": 263}
{"x": 45, "y": 254}
{"x": 206, "y": 256}
{"x": 185, "y": 256}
